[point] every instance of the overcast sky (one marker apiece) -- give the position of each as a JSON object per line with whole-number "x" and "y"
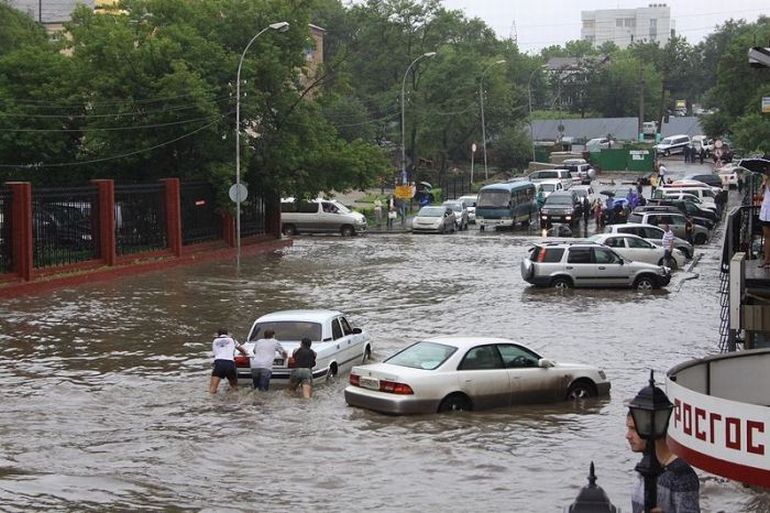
{"x": 541, "y": 23}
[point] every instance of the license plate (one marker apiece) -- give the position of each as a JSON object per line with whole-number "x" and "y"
{"x": 371, "y": 383}
{"x": 278, "y": 362}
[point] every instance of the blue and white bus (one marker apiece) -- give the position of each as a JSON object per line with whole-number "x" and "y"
{"x": 505, "y": 204}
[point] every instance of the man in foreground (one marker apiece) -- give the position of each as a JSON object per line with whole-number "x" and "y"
{"x": 224, "y": 347}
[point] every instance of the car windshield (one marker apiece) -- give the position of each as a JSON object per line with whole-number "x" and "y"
{"x": 667, "y": 141}
{"x": 288, "y": 330}
{"x": 494, "y": 198}
{"x": 558, "y": 200}
{"x": 431, "y": 212}
{"x": 548, "y": 187}
{"x": 422, "y": 355}
{"x": 454, "y": 206}
{"x": 342, "y": 208}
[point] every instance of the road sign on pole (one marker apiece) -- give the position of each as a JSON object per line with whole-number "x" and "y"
{"x": 238, "y": 193}
{"x": 766, "y": 104}
{"x": 473, "y": 151}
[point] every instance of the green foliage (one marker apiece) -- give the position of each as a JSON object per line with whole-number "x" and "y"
{"x": 514, "y": 149}
{"x": 752, "y": 133}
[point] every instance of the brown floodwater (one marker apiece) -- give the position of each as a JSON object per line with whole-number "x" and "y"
{"x": 105, "y": 408}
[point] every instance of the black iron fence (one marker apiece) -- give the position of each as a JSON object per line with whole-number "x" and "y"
{"x": 253, "y": 215}
{"x": 200, "y": 220}
{"x": 140, "y": 218}
{"x": 64, "y": 226}
{"x": 453, "y": 187}
{"x": 6, "y": 254}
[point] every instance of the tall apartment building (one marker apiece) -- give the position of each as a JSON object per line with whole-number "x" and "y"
{"x": 626, "y": 26}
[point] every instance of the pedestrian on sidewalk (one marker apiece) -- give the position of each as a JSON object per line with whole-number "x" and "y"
{"x": 378, "y": 212}
{"x": 688, "y": 230}
{"x": 702, "y": 154}
{"x": 687, "y": 151}
{"x": 392, "y": 214}
{"x": 598, "y": 214}
{"x": 668, "y": 245}
{"x": 764, "y": 218}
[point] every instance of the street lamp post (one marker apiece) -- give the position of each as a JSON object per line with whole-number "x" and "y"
{"x": 651, "y": 411}
{"x": 403, "y": 125}
{"x": 483, "y": 125}
{"x": 281, "y": 26}
{"x": 529, "y": 96}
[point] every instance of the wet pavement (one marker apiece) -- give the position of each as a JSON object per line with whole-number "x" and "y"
{"x": 104, "y": 402}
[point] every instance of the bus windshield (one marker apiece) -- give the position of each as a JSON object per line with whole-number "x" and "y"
{"x": 494, "y": 199}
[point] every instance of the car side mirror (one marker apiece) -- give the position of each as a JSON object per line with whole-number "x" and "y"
{"x": 545, "y": 363}
{"x": 622, "y": 262}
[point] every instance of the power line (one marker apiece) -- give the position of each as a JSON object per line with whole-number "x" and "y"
{"x": 221, "y": 99}
{"x": 54, "y": 105}
{"x": 115, "y": 157}
{"x": 107, "y": 129}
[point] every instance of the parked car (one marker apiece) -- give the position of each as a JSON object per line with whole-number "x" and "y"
{"x": 338, "y": 345}
{"x": 701, "y": 221}
{"x": 582, "y": 172}
{"x": 672, "y": 144}
{"x": 549, "y": 186}
{"x": 443, "y": 374}
{"x": 320, "y": 216}
{"x": 599, "y": 143}
{"x": 675, "y": 221}
{"x": 674, "y": 194}
{"x": 436, "y": 219}
{"x": 588, "y": 264}
{"x": 729, "y": 174}
{"x": 470, "y": 205}
{"x": 461, "y": 213}
{"x": 702, "y": 141}
{"x": 548, "y": 174}
{"x": 710, "y": 179}
{"x": 652, "y": 234}
{"x": 561, "y": 207}
{"x": 635, "y": 248}
{"x": 688, "y": 208}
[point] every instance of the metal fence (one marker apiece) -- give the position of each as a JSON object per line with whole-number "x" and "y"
{"x": 253, "y": 215}
{"x": 140, "y": 218}
{"x": 200, "y": 220}
{"x": 64, "y": 225}
{"x": 454, "y": 187}
{"x": 6, "y": 254}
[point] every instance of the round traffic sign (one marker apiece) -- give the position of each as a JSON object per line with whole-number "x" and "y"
{"x": 238, "y": 193}
{"x": 473, "y": 147}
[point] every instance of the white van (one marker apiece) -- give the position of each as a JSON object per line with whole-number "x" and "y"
{"x": 320, "y": 216}
{"x": 562, "y": 175}
{"x": 672, "y": 144}
{"x": 706, "y": 194}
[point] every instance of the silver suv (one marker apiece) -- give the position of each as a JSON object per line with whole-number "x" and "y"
{"x": 584, "y": 264}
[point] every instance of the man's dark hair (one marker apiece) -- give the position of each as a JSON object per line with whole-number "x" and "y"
{"x": 269, "y": 333}
{"x": 306, "y": 342}
{"x": 222, "y": 331}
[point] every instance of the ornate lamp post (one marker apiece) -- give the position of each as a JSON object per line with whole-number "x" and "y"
{"x": 403, "y": 126}
{"x": 651, "y": 411}
{"x": 592, "y": 498}
{"x": 483, "y": 125}
{"x": 281, "y": 26}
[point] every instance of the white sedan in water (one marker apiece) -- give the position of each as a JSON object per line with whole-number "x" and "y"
{"x": 637, "y": 249}
{"x": 468, "y": 373}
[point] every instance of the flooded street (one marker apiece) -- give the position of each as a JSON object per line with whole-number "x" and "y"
{"x": 105, "y": 404}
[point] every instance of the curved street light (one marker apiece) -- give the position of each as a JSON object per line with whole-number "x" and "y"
{"x": 281, "y": 26}
{"x": 403, "y": 130}
{"x": 483, "y": 126}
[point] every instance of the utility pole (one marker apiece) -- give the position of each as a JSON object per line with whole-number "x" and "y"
{"x": 640, "y": 131}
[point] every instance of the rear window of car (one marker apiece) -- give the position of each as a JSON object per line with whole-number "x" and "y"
{"x": 547, "y": 255}
{"x": 288, "y": 330}
{"x": 635, "y": 218}
{"x": 422, "y": 355}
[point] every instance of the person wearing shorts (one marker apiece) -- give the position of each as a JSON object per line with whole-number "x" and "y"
{"x": 302, "y": 374}
{"x": 764, "y": 218}
{"x": 224, "y": 347}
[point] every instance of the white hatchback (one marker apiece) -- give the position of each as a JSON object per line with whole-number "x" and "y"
{"x": 338, "y": 345}
{"x": 637, "y": 249}
{"x": 468, "y": 373}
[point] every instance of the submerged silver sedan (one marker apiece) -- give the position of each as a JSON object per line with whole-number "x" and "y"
{"x": 468, "y": 373}
{"x": 439, "y": 219}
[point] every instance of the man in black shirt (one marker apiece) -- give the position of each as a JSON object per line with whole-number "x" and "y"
{"x": 302, "y": 374}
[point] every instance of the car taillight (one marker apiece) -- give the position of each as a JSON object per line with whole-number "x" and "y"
{"x": 354, "y": 379}
{"x": 393, "y": 387}
{"x": 242, "y": 361}
{"x": 291, "y": 363}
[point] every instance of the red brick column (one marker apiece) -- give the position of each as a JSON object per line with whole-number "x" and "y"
{"x": 228, "y": 229}
{"x": 173, "y": 215}
{"x": 107, "y": 239}
{"x": 273, "y": 214}
{"x": 21, "y": 228}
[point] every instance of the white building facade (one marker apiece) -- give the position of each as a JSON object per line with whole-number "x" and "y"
{"x": 626, "y": 26}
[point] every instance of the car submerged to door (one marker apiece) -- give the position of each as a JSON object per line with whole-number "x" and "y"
{"x": 468, "y": 373}
{"x": 338, "y": 345}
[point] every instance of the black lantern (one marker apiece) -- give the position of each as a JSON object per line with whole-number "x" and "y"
{"x": 651, "y": 411}
{"x": 592, "y": 498}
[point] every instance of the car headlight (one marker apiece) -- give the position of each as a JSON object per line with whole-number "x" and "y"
{"x": 567, "y": 217}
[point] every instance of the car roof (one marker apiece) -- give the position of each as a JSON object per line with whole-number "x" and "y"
{"x": 550, "y": 180}
{"x": 466, "y": 342}
{"x": 574, "y": 161}
{"x": 299, "y": 315}
{"x": 580, "y": 187}
{"x": 606, "y": 235}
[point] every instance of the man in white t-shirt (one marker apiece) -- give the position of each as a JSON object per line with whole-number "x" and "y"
{"x": 262, "y": 360}
{"x": 662, "y": 172}
{"x": 224, "y": 347}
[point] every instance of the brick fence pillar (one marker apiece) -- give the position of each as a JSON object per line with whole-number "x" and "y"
{"x": 107, "y": 239}
{"x": 273, "y": 214}
{"x": 228, "y": 229}
{"x": 21, "y": 229}
{"x": 173, "y": 215}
